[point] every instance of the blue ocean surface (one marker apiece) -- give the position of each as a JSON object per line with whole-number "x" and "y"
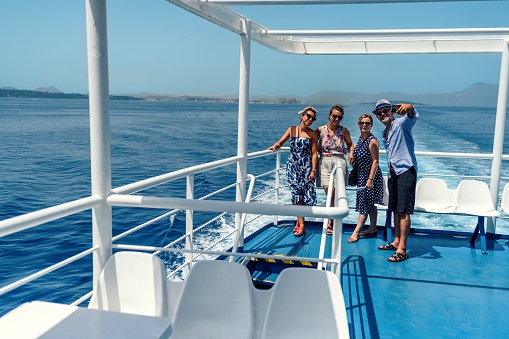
{"x": 45, "y": 154}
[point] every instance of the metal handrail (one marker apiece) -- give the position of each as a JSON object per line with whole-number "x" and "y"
{"x": 42, "y": 216}
{"x": 240, "y": 231}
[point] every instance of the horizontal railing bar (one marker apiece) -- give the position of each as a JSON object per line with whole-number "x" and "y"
{"x": 154, "y": 181}
{"x": 222, "y": 253}
{"x": 257, "y": 216}
{"x": 336, "y": 212}
{"x": 45, "y": 271}
{"x": 209, "y": 222}
{"x": 219, "y": 191}
{"x": 141, "y": 226}
{"x": 29, "y": 220}
{"x": 215, "y": 243}
{"x": 264, "y": 193}
{"x": 176, "y": 270}
{"x": 161, "y": 179}
{"x": 82, "y": 299}
{"x": 455, "y": 155}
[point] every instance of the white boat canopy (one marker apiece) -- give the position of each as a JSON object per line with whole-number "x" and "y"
{"x": 386, "y": 41}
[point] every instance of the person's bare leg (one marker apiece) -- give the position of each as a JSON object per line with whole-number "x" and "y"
{"x": 300, "y": 220}
{"x": 373, "y": 215}
{"x": 360, "y": 223}
{"x": 330, "y": 222}
{"x": 401, "y": 232}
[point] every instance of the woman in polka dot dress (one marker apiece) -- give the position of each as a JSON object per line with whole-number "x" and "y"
{"x": 370, "y": 180}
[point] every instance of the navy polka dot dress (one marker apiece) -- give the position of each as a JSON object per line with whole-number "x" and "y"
{"x": 367, "y": 198}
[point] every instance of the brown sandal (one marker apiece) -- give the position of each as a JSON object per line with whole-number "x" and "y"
{"x": 353, "y": 239}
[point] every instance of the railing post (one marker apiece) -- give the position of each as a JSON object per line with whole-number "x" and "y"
{"x": 339, "y": 193}
{"x": 245, "y": 59}
{"x": 498, "y": 137}
{"x": 276, "y": 182}
{"x": 98, "y": 88}
{"x": 189, "y": 223}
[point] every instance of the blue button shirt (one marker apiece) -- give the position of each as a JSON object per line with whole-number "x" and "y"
{"x": 400, "y": 144}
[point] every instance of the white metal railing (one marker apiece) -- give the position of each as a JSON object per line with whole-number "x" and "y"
{"x": 119, "y": 197}
{"x": 336, "y": 181}
{"x": 29, "y": 220}
{"x": 240, "y": 231}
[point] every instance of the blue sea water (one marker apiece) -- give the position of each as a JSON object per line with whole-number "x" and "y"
{"x": 45, "y": 156}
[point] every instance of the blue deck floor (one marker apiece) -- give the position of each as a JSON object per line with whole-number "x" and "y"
{"x": 445, "y": 289}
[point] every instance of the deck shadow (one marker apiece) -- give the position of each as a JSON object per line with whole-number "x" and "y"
{"x": 358, "y": 299}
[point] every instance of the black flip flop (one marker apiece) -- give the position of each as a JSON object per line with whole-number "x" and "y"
{"x": 398, "y": 257}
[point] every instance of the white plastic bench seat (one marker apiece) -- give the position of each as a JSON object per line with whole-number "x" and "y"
{"x": 306, "y": 303}
{"x": 471, "y": 197}
{"x": 432, "y": 195}
{"x": 216, "y": 302}
{"x": 132, "y": 282}
{"x": 474, "y": 198}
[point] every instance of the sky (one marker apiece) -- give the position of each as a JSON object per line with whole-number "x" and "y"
{"x": 157, "y": 47}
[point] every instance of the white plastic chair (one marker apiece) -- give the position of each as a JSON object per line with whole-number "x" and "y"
{"x": 216, "y": 302}
{"x": 504, "y": 204}
{"x": 132, "y": 282}
{"x": 432, "y": 195}
{"x": 306, "y": 303}
{"x": 474, "y": 198}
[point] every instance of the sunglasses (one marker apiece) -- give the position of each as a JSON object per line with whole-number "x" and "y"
{"x": 365, "y": 123}
{"x": 310, "y": 116}
{"x": 385, "y": 110}
{"x": 334, "y": 116}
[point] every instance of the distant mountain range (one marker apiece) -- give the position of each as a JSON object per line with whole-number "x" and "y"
{"x": 477, "y": 95}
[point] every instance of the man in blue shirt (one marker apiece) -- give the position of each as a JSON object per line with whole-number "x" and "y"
{"x": 399, "y": 143}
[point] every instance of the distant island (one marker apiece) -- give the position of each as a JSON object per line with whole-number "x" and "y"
{"x": 54, "y": 93}
{"x": 23, "y": 93}
{"x": 475, "y": 95}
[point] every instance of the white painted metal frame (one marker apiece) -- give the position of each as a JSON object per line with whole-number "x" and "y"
{"x": 100, "y": 154}
{"x": 354, "y": 42}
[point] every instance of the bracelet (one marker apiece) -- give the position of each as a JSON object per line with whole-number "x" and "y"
{"x": 370, "y": 179}
{"x": 314, "y": 170}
